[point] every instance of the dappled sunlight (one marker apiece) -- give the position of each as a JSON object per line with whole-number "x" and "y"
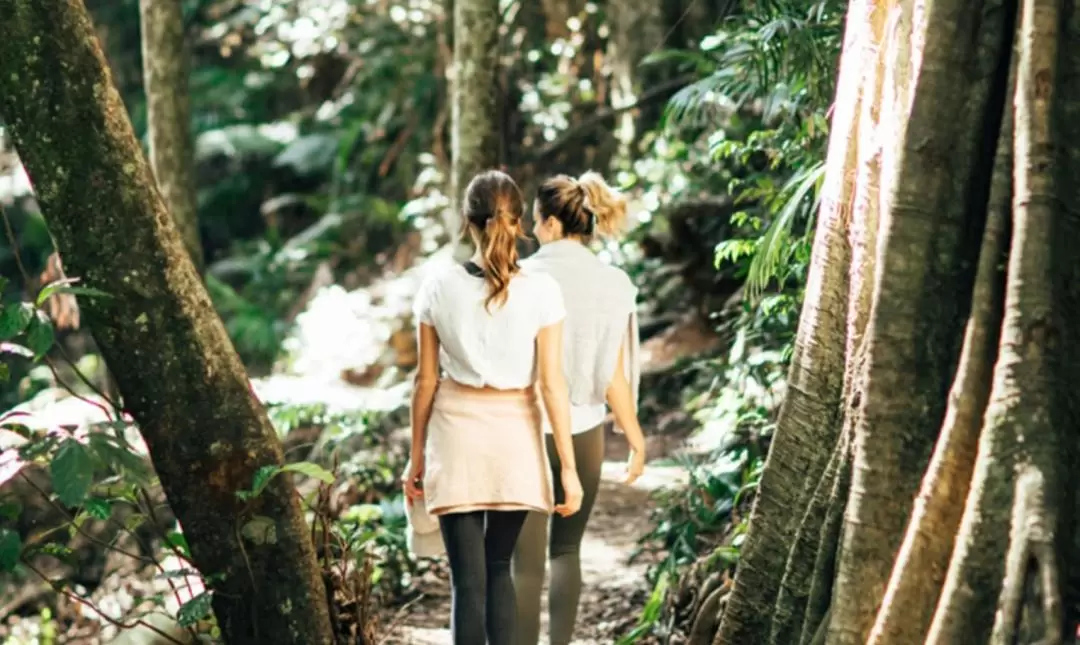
{"x": 347, "y": 331}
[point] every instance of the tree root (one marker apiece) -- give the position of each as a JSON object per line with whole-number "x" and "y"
{"x": 817, "y": 605}
{"x": 708, "y": 617}
{"x": 794, "y": 588}
{"x": 798, "y": 577}
{"x": 1031, "y": 605}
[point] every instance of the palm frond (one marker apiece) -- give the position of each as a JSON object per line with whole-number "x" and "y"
{"x": 772, "y": 249}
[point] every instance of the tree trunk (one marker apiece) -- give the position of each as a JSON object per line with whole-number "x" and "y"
{"x": 474, "y": 132}
{"x": 923, "y": 112}
{"x": 166, "y": 64}
{"x": 920, "y": 567}
{"x": 795, "y": 610}
{"x": 180, "y": 377}
{"x": 931, "y": 238}
{"x": 637, "y": 30}
{"x": 1011, "y": 526}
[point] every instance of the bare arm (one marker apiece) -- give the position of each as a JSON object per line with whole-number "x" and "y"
{"x": 621, "y": 399}
{"x": 555, "y": 391}
{"x": 424, "y": 386}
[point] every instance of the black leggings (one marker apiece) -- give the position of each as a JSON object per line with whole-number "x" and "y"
{"x": 479, "y": 546}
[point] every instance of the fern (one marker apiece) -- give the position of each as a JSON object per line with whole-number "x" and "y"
{"x": 779, "y": 58}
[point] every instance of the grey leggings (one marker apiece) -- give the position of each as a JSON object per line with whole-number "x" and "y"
{"x": 564, "y": 547}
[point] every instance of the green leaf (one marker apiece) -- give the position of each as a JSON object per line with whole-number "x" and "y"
{"x": 315, "y": 471}
{"x": 14, "y": 319}
{"x": 10, "y": 549}
{"x": 119, "y": 457}
{"x": 77, "y": 522}
{"x": 134, "y": 521}
{"x": 54, "y": 550}
{"x": 177, "y": 540}
{"x": 72, "y": 472}
{"x": 259, "y": 481}
{"x": 5, "y": 373}
{"x": 40, "y": 335}
{"x": 260, "y": 530}
{"x": 98, "y": 509}
{"x": 66, "y": 286}
{"x": 194, "y": 610}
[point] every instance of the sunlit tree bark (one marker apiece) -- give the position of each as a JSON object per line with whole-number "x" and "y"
{"x": 166, "y": 64}
{"x": 474, "y": 122}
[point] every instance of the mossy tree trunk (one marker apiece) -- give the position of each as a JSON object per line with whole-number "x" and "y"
{"x": 180, "y": 378}
{"x": 474, "y": 135}
{"x": 925, "y": 361}
{"x": 166, "y": 64}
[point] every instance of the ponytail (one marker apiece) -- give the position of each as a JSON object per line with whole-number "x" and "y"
{"x": 607, "y": 206}
{"x": 500, "y": 253}
{"x": 586, "y": 206}
{"x": 493, "y": 208}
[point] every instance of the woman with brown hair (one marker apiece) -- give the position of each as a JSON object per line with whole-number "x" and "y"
{"x": 478, "y": 461}
{"x": 600, "y": 341}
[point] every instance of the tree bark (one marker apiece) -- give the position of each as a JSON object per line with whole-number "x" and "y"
{"x": 931, "y": 238}
{"x": 166, "y": 65}
{"x": 474, "y": 137}
{"x": 908, "y": 606}
{"x": 637, "y": 30}
{"x": 1027, "y": 433}
{"x": 180, "y": 377}
{"x": 807, "y": 547}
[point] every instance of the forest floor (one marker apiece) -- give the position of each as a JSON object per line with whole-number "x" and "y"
{"x": 614, "y": 589}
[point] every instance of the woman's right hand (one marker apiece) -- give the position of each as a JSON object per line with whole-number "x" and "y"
{"x": 572, "y": 493}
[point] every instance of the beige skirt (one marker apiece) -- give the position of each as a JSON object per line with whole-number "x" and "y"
{"x": 485, "y": 451}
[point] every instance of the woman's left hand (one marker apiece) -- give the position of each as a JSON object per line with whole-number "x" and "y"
{"x": 635, "y": 465}
{"x": 413, "y": 480}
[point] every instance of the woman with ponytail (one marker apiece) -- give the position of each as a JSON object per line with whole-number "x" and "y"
{"x": 600, "y": 358}
{"x": 490, "y": 339}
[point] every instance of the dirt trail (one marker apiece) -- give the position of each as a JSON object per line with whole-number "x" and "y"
{"x": 614, "y": 590}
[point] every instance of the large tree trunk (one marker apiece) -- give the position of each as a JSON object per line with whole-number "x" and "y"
{"x": 474, "y": 136}
{"x": 1007, "y": 551}
{"x": 931, "y": 238}
{"x": 922, "y": 154}
{"x": 181, "y": 379}
{"x": 166, "y": 64}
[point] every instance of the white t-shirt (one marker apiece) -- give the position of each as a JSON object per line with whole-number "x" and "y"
{"x": 494, "y": 349}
